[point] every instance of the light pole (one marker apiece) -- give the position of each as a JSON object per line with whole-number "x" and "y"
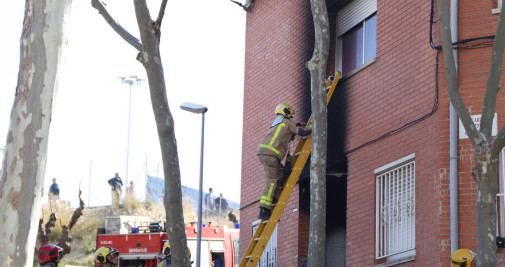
{"x": 195, "y": 108}
{"x": 130, "y": 80}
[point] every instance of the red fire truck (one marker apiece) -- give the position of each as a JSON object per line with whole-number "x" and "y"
{"x": 140, "y": 240}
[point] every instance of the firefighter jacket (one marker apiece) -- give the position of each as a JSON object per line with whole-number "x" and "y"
{"x": 276, "y": 141}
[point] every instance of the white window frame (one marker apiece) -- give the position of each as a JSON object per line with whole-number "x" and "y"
{"x": 269, "y": 257}
{"x": 395, "y": 211}
{"x": 497, "y": 10}
{"x": 352, "y": 14}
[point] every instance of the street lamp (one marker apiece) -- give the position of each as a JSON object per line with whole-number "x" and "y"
{"x": 195, "y": 108}
{"x": 130, "y": 80}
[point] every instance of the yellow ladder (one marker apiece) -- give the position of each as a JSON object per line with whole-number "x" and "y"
{"x": 302, "y": 152}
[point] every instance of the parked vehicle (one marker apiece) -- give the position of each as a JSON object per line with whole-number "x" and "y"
{"x": 140, "y": 240}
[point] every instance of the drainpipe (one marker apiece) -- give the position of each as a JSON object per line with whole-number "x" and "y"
{"x": 453, "y": 141}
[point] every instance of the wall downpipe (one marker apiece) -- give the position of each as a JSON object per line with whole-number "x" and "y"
{"x": 453, "y": 141}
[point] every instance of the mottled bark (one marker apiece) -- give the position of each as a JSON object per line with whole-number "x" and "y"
{"x": 317, "y": 68}
{"x": 149, "y": 56}
{"x": 23, "y": 167}
{"x": 485, "y": 147}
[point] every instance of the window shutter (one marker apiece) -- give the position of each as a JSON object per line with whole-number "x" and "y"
{"x": 353, "y": 13}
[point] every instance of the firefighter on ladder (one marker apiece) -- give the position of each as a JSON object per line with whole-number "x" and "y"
{"x": 272, "y": 150}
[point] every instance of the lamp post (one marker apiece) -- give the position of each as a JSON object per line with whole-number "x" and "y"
{"x": 130, "y": 80}
{"x": 195, "y": 108}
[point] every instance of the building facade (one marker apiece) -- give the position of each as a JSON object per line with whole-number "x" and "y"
{"x": 388, "y": 165}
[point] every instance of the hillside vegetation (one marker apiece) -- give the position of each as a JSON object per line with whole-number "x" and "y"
{"x": 84, "y": 232}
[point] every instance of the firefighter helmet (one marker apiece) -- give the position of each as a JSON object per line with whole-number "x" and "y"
{"x": 49, "y": 252}
{"x": 462, "y": 258}
{"x": 284, "y": 110}
{"x": 165, "y": 252}
{"x": 102, "y": 253}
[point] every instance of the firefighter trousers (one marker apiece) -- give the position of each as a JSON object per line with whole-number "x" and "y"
{"x": 274, "y": 171}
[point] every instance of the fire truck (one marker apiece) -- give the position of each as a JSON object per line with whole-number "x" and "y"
{"x": 140, "y": 240}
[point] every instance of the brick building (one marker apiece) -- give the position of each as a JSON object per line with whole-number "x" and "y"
{"x": 388, "y": 164}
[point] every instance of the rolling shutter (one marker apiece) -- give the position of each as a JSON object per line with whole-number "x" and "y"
{"x": 353, "y": 13}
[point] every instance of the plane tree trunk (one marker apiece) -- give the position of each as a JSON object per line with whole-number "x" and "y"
{"x": 149, "y": 56}
{"x": 317, "y": 69}
{"x": 486, "y": 148}
{"x": 22, "y": 177}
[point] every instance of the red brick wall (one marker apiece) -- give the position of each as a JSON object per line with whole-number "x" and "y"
{"x": 278, "y": 43}
{"x": 397, "y": 89}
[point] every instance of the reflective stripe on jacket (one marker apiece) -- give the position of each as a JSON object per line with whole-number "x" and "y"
{"x": 276, "y": 141}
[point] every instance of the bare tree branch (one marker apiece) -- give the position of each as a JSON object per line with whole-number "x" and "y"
{"x": 151, "y": 60}
{"x": 132, "y": 40}
{"x": 65, "y": 238}
{"x": 493, "y": 81}
{"x": 43, "y": 239}
{"x": 149, "y": 34}
{"x": 161, "y": 12}
{"x": 77, "y": 213}
{"x": 499, "y": 142}
{"x": 450, "y": 69}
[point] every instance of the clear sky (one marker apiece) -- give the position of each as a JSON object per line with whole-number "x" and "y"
{"x": 202, "y": 48}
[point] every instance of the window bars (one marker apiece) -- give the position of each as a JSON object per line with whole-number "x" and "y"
{"x": 395, "y": 210}
{"x": 269, "y": 257}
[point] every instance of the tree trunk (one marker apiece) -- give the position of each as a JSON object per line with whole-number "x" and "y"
{"x": 149, "y": 56}
{"x": 486, "y": 148}
{"x": 486, "y": 210}
{"x": 317, "y": 68}
{"x": 23, "y": 167}
{"x": 151, "y": 59}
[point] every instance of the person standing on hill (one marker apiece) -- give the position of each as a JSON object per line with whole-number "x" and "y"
{"x": 209, "y": 203}
{"x": 130, "y": 190}
{"x": 115, "y": 184}
{"x": 221, "y": 203}
{"x": 54, "y": 193}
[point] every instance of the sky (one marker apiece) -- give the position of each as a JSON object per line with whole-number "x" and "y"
{"x": 202, "y": 49}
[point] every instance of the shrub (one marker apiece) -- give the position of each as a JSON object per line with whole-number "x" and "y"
{"x": 149, "y": 205}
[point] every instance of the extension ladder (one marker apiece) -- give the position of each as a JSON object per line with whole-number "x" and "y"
{"x": 302, "y": 152}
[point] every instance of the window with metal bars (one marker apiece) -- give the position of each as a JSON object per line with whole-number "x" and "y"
{"x": 269, "y": 257}
{"x": 395, "y": 208}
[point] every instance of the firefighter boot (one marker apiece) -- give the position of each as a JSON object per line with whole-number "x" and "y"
{"x": 264, "y": 214}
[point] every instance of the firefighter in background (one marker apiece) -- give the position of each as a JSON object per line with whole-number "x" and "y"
{"x": 49, "y": 255}
{"x": 462, "y": 258}
{"x": 272, "y": 150}
{"x": 107, "y": 256}
{"x": 116, "y": 191}
{"x": 166, "y": 256}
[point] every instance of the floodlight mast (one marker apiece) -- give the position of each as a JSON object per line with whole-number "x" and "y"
{"x": 198, "y": 109}
{"x": 130, "y": 80}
